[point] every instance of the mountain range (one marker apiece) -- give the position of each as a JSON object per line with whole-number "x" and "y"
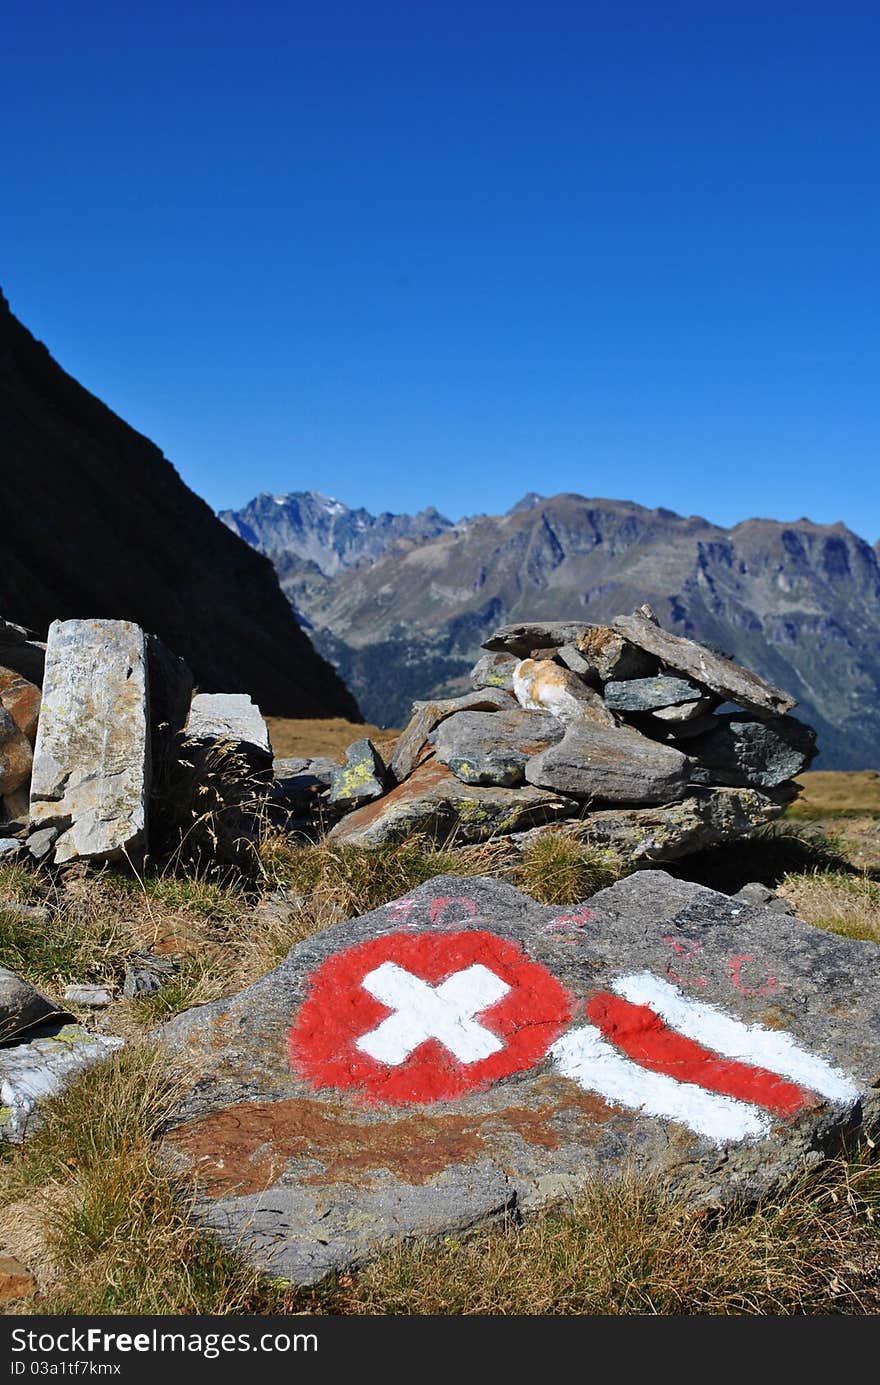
{"x": 95, "y": 521}
{"x": 400, "y": 604}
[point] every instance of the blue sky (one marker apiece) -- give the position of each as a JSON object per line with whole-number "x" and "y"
{"x": 440, "y": 253}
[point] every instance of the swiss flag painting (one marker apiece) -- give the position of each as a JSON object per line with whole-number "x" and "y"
{"x": 649, "y": 1047}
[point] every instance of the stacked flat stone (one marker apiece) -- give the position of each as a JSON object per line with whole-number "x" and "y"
{"x": 624, "y": 734}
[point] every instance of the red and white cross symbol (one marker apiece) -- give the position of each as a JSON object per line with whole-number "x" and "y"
{"x": 425, "y": 1017}
{"x": 421, "y": 1011}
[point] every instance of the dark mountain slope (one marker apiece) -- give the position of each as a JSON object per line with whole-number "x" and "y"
{"x": 799, "y": 602}
{"x": 96, "y": 522}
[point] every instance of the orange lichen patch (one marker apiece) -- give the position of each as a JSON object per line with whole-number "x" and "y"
{"x": 244, "y": 1149}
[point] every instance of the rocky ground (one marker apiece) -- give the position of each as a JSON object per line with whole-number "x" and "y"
{"x": 243, "y": 1053}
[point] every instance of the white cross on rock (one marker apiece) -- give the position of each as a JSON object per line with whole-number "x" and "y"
{"x": 422, "y": 1011}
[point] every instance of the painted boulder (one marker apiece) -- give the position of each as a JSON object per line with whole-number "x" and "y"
{"x": 463, "y": 1051}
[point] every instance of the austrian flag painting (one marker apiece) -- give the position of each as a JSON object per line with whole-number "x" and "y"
{"x": 463, "y": 1050}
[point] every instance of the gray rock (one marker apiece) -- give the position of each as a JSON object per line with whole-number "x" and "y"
{"x": 171, "y": 686}
{"x": 611, "y": 765}
{"x": 434, "y": 802}
{"x": 520, "y": 640}
{"x": 39, "y": 844}
{"x": 665, "y": 730}
{"x": 21, "y": 1004}
{"x": 32, "y": 1072}
{"x": 30, "y": 913}
{"x": 234, "y": 720}
{"x": 762, "y": 897}
{"x": 642, "y": 836}
{"x": 427, "y": 715}
{"x": 362, "y": 779}
{"x": 286, "y": 767}
{"x": 718, "y": 675}
{"x": 650, "y": 694}
{"x": 92, "y": 754}
{"x": 571, "y": 657}
{"x": 462, "y": 1051}
{"x": 10, "y": 848}
{"x": 146, "y": 973}
{"x": 89, "y": 997}
{"x": 493, "y": 747}
{"x": 494, "y": 671}
{"x": 686, "y": 711}
{"x": 742, "y": 751}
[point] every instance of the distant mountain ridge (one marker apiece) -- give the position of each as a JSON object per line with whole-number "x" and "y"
{"x": 94, "y": 521}
{"x": 799, "y": 602}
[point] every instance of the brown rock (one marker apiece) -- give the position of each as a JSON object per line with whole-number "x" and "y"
{"x": 21, "y": 700}
{"x": 16, "y": 756}
{"x": 435, "y": 802}
{"x": 609, "y": 656}
{"x": 16, "y": 1280}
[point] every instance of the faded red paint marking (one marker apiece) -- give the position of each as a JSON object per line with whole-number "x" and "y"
{"x": 734, "y": 971}
{"x": 440, "y": 907}
{"x": 644, "y": 1037}
{"x": 578, "y": 920}
{"x": 687, "y": 950}
{"x": 338, "y": 1011}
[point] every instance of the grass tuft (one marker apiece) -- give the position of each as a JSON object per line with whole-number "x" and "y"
{"x": 554, "y": 869}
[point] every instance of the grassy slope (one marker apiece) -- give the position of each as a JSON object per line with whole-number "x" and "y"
{"x": 87, "y": 1205}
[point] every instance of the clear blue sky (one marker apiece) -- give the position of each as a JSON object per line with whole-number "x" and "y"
{"x": 439, "y": 252}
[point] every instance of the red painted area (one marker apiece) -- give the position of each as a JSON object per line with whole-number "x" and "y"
{"x": 645, "y": 1038}
{"x": 338, "y": 1011}
{"x": 734, "y": 971}
{"x": 687, "y": 950}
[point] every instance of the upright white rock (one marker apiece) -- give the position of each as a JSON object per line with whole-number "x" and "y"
{"x": 92, "y": 754}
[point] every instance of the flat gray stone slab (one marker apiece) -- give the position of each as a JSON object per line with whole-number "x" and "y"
{"x": 91, "y": 758}
{"x": 463, "y": 1050}
{"x": 719, "y": 675}
{"x": 641, "y": 836}
{"x": 233, "y": 718}
{"x": 32, "y": 1072}
{"x": 611, "y": 764}
{"x": 650, "y": 694}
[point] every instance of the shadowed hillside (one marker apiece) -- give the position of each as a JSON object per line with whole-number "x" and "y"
{"x": 96, "y": 522}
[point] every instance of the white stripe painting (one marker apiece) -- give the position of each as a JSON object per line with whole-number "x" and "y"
{"x": 749, "y": 1043}
{"x": 585, "y": 1057}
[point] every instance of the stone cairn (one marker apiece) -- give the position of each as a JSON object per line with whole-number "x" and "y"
{"x": 620, "y": 735}
{"x": 616, "y": 735}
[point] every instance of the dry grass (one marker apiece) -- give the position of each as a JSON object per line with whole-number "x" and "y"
{"x": 633, "y": 1248}
{"x": 826, "y": 793}
{"x": 843, "y": 903}
{"x": 557, "y": 870}
{"x": 113, "y": 1231}
{"x": 330, "y": 737}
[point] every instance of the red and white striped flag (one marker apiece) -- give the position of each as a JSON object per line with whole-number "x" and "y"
{"x": 649, "y": 1047}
